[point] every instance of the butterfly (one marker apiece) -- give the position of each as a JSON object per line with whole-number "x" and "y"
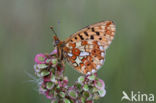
{"x": 85, "y": 50}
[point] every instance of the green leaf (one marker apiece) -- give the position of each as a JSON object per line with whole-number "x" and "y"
{"x": 99, "y": 84}
{"x": 53, "y": 78}
{"x": 54, "y": 101}
{"x": 73, "y": 94}
{"x": 62, "y": 94}
{"x": 91, "y": 77}
{"x": 42, "y": 66}
{"x": 85, "y": 87}
{"x": 86, "y": 94}
{"x": 49, "y": 85}
{"x": 82, "y": 100}
{"x": 96, "y": 96}
{"x": 54, "y": 61}
{"x": 95, "y": 89}
{"x": 102, "y": 92}
{"x": 81, "y": 79}
{"x": 66, "y": 100}
{"x": 44, "y": 73}
{"x": 78, "y": 85}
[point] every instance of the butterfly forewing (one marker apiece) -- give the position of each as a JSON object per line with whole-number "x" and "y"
{"x": 85, "y": 50}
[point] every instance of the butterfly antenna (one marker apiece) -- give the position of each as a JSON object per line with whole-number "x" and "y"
{"x": 51, "y": 27}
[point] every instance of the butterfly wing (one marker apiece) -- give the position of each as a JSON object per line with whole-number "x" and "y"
{"x": 85, "y": 50}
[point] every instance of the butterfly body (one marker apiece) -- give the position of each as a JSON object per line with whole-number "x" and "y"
{"x": 85, "y": 50}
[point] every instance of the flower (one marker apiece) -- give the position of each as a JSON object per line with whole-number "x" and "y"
{"x": 54, "y": 85}
{"x": 99, "y": 84}
{"x": 102, "y": 92}
{"x": 39, "y": 58}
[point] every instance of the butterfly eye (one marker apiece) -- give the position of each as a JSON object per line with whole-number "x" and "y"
{"x": 57, "y": 42}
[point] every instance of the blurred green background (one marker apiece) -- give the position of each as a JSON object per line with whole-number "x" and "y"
{"x": 24, "y": 31}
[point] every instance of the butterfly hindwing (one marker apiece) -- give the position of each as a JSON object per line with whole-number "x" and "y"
{"x": 87, "y": 57}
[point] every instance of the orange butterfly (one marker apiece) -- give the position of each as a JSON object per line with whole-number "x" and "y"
{"x": 85, "y": 50}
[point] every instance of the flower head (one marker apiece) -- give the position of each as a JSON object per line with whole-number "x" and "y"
{"x": 54, "y": 85}
{"x": 40, "y": 58}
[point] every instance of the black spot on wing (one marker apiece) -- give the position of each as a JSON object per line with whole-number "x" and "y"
{"x": 92, "y": 37}
{"x": 86, "y": 33}
{"x": 81, "y": 37}
{"x": 97, "y": 33}
{"x": 100, "y": 38}
{"x": 75, "y": 38}
{"x": 93, "y": 30}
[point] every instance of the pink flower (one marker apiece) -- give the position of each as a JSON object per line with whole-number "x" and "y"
{"x": 100, "y": 84}
{"x": 47, "y": 78}
{"x": 54, "y": 85}
{"x": 102, "y": 92}
{"x": 65, "y": 82}
{"x": 60, "y": 83}
{"x": 54, "y": 52}
{"x": 48, "y": 95}
{"x": 89, "y": 101}
{"x": 40, "y": 58}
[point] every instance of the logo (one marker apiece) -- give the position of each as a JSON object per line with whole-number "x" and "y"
{"x": 137, "y": 97}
